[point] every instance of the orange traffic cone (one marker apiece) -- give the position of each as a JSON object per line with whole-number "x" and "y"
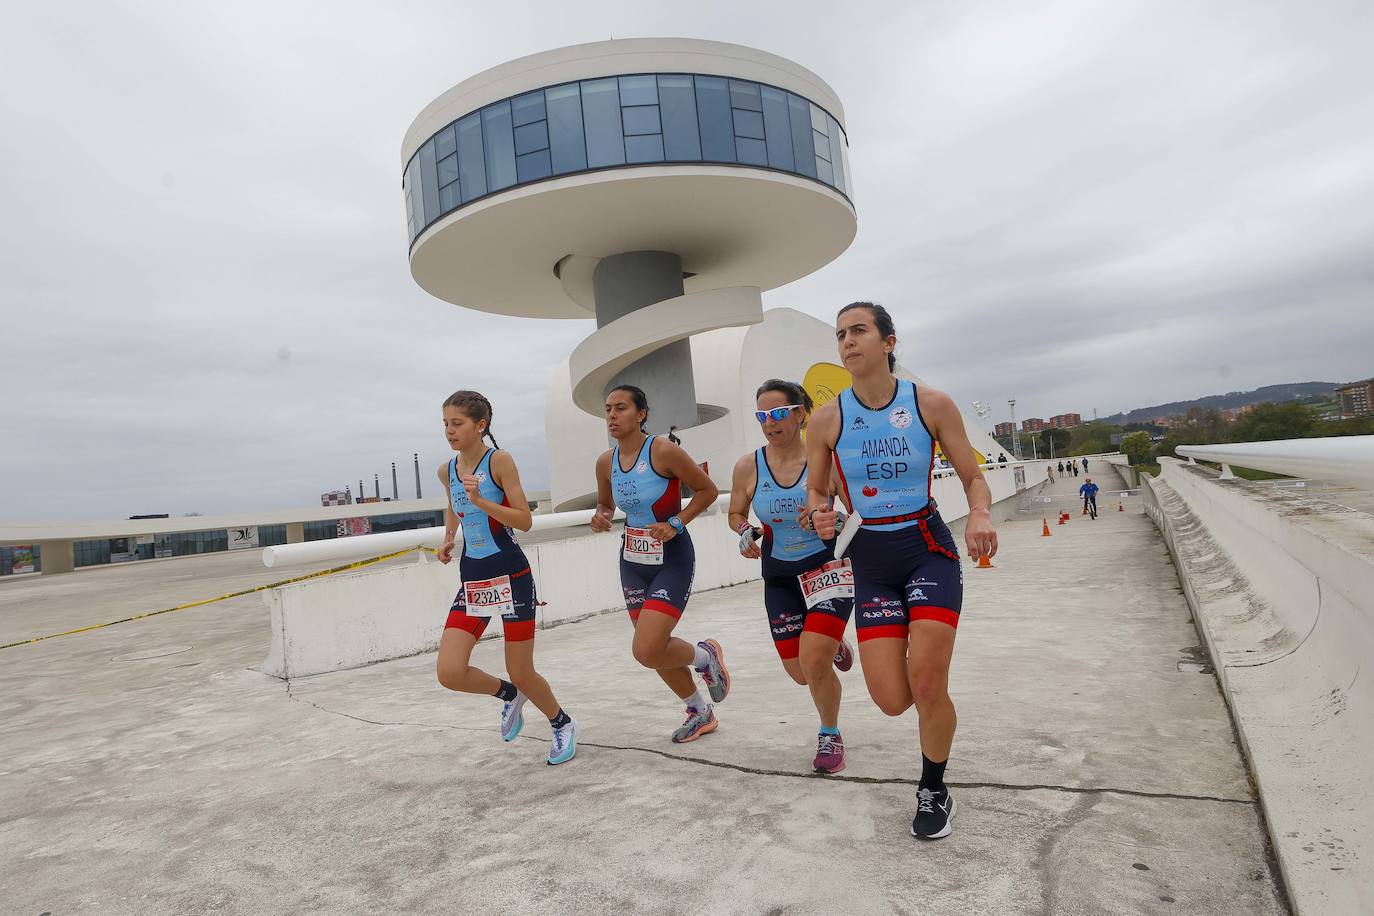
{"x": 1046, "y": 533}
{"x": 1063, "y": 517}
{"x": 984, "y": 562}
{"x": 1119, "y": 507}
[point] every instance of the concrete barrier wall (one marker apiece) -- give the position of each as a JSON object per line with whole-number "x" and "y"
{"x": 1282, "y": 589}
{"x": 353, "y": 619}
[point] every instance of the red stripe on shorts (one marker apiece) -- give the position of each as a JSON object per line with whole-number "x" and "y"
{"x": 519, "y": 630}
{"x": 663, "y": 607}
{"x": 457, "y": 620}
{"x": 788, "y": 648}
{"x": 824, "y": 624}
{"x": 942, "y": 614}
{"x": 886, "y": 631}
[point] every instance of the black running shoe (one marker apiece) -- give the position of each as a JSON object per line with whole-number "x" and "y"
{"x": 934, "y": 814}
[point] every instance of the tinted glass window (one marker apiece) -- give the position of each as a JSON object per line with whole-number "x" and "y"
{"x": 647, "y": 148}
{"x": 818, "y": 118}
{"x": 448, "y": 197}
{"x": 527, "y": 108}
{"x": 713, "y": 115}
{"x": 836, "y": 141}
{"x": 803, "y": 150}
{"x": 777, "y": 128}
{"x": 444, "y": 143}
{"x": 499, "y": 144}
{"x": 530, "y": 137}
{"x": 748, "y": 124}
{"x": 534, "y": 166}
{"x": 678, "y": 114}
{"x": 638, "y": 90}
{"x": 601, "y": 113}
{"x": 566, "y": 144}
{"x": 448, "y": 169}
{"x": 751, "y": 152}
{"x": 745, "y": 95}
{"x": 472, "y": 172}
{"x": 428, "y": 187}
{"x": 642, "y": 119}
{"x": 824, "y": 171}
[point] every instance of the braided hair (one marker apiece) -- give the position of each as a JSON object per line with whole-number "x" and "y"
{"x": 477, "y": 408}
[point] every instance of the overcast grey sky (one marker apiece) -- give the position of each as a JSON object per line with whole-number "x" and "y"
{"x": 204, "y": 291}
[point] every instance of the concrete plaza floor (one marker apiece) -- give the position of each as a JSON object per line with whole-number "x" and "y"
{"x": 149, "y": 768}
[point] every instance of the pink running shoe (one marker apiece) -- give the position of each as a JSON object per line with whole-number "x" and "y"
{"x": 829, "y": 754}
{"x": 844, "y": 656}
{"x": 699, "y": 722}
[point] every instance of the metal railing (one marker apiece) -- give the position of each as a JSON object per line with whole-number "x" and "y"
{"x": 1345, "y": 460}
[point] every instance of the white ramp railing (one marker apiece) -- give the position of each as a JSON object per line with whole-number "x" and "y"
{"x": 1340, "y": 459}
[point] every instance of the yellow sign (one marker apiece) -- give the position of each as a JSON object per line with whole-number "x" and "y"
{"x": 824, "y": 382}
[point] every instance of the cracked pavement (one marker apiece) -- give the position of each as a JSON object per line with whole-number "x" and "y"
{"x": 1093, "y": 774}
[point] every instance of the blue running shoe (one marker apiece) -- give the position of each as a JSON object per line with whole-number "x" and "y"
{"x": 564, "y": 745}
{"x": 512, "y": 717}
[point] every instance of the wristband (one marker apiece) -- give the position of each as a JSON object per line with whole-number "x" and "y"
{"x": 676, "y": 522}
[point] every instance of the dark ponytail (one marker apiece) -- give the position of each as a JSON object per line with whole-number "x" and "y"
{"x": 881, "y": 320}
{"x": 477, "y": 408}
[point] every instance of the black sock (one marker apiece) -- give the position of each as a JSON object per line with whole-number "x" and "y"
{"x": 561, "y": 719}
{"x": 506, "y": 691}
{"x": 932, "y": 774}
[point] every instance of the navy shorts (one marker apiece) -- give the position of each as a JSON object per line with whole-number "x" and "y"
{"x": 909, "y": 574}
{"x": 517, "y": 626}
{"x": 663, "y": 588}
{"x": 788, "y": 616}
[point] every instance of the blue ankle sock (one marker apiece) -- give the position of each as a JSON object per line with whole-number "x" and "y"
{"x": 830, "y": 730}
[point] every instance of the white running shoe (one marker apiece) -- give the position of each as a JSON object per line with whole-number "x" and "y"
{"x": 564, "y": 745}
{"x": 512, "y": 717}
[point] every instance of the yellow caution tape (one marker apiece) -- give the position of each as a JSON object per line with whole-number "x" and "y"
{"x": 247, "y": 591}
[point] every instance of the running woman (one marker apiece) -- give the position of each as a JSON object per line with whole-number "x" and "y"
{"x": 486, "y": 498}
{"x": 908, "y": 584}
{"x": 643, "y": 475}
{"x": 808, "y": 626}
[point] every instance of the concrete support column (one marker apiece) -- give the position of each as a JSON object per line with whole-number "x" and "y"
{"x": 56, "y": 557}
{"x": 295, "y": 532}
{"x": 624, "y": 283}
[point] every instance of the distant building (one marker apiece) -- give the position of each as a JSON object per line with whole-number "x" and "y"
{"x": 337, "y": 498}
{"x": 1032, "y": 425}
{"x": 1005, "y": 429}
{"x": 1357, "y": 399}
{"x": 1066, "y": 421}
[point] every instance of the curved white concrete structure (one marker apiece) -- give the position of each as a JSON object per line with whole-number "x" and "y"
{"x": 1338, "y": 459}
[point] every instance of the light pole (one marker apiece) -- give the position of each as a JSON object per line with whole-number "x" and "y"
{"x": 1015, "y": 436}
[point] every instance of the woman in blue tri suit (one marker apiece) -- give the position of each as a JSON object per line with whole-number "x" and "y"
{"x": 806, "y": 620}
{"x": 880, "y": 437}
{"x": 642, "y": 476}
{"x": 486, "y": 498}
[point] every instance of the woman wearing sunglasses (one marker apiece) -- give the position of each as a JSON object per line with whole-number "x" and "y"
{"x": 807, "y": 603}
{"x": 657, "y": 560}
{"x": 880, "y": 436}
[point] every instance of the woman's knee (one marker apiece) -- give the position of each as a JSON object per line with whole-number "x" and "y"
{"x": 892, "y": 704}
{"x": 928, "y": 690}
{"x": 816, "y": 665}
{"x": 451, "y": 674}
{"x": 647, "y": 652}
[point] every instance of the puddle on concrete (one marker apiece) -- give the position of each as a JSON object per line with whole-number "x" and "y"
{"x": 1195, "y": 661}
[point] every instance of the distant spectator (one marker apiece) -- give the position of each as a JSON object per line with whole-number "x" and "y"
{"x": 1085, "y": 465}
{"x": 1002, "y": 458}
{"x": 1061, "y": 467}
{"x": 1049, "y": 472}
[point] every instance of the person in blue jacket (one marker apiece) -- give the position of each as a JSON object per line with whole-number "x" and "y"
{"x": 1089, "y": 493}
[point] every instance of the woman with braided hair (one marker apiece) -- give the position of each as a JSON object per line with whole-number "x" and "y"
{"x": 487, "y": 499}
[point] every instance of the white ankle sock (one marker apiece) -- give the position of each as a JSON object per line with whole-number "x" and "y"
{"x": 696, "y": 701}
{"x": 702, "y": 657}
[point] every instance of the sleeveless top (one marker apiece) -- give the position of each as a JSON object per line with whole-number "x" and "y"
{"x": 643, "y": 494}
{"x": 884, "y": 456}
{"x": 776, "y": 506}
{"x": 483, "y": 536}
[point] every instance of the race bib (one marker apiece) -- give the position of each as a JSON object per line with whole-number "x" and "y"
{"x": 642, "y": 547}
{"x": 833, "y": 580}
{"x": 488, "y": 597}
